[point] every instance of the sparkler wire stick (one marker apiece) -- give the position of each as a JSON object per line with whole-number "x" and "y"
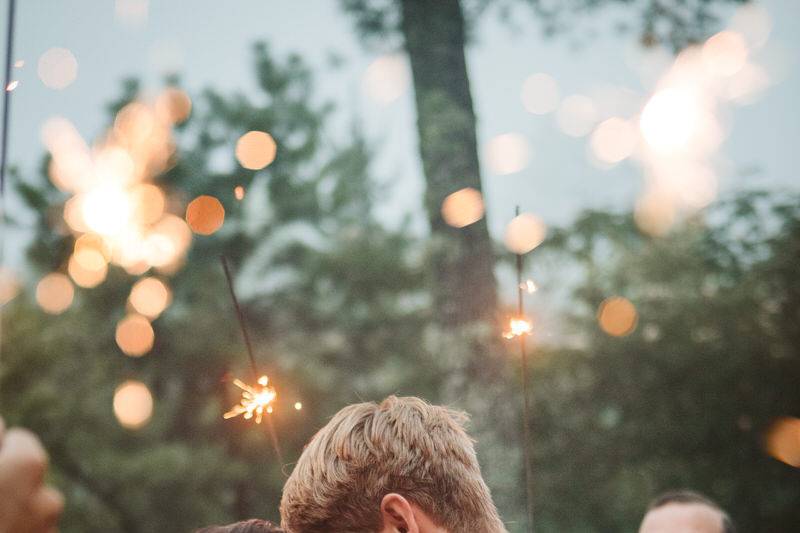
{"x": 12, "y": 4}
{"x": 240, "y": 316}
{"x": 526, "y": 425}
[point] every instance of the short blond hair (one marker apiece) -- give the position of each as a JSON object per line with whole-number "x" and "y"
{"x": 403, "y": 445}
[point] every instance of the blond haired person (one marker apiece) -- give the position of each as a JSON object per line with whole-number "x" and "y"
{"x": 401, "y": 466}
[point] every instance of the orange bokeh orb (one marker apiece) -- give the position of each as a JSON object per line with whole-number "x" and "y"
{"x": 135, "y": 335}
{"x": 205, "y": 215}
{"x": 133, "y": 404}
{"x": 617, "y": 316}
{"x": 256, "y": 149}
{"x": 463, "y": 207}
{"x": 54, "y": 293}
{"x": 783, "y": 441}
{"x": 86, "y": 277}
{"x": 150, "y": 296}
{"x": 524, "y": 233}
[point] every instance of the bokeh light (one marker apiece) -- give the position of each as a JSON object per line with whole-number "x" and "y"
{"x": 255, "y": 150}
{"x": 106, "y": 210}
{"x": 73, "y": 214}
{"x": 133, "y": 404}
{"x": 386, "y": 79}
{"x": 113, "y": 202}
{"x": 71, "y": 169}
{"x": 507, "y": 153}
{"x": 524, "y": 233}
{"x": 167, "y": 241}
{"x": 205, "y": 215}
{"x": 613, "y": 140}
{"x": 132, "y": 12}
{"x": 540, "y": 94}
{"x": 671, "y": 119}
{"x": 54, "y": 293}
{"x": 150, "y": 297}
{"x": 725, "y": 53}
{"x": 238, "y": 192}
{"x": 783, "y": 441}
{"x": 84, "y": 276}
{"x": 173, "y": 105}
{"x": 463, "y": 207}
{"x": 94, "y": 243}
{"x": 57, "y": 68}
{"x": 298, "y": 405}
{"x": 617, "y": 316}
{"x": 576, "y": 115}
{"x": 135, "y": 335}
{"x": 655, "y": 212}
{"x": 148, "y": 203}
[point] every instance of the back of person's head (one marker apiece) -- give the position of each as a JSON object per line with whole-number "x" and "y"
{"x": 402, "y": 446}
{"x": 691, "y": 498}
{"x": 246, "y": 526}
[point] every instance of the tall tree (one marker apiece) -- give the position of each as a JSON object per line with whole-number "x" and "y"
{"x": 434, "y": 34}
{"x": 462, "y": 262}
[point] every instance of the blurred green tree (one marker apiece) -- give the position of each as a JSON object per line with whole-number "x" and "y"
{"x": 335, "y": 302}
{"x": 685, "y": 399}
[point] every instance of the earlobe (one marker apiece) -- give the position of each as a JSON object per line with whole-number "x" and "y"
{"x": 398, "y": 516}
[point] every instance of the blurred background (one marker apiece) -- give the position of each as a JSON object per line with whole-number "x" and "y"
{"x": 359, "y": 163}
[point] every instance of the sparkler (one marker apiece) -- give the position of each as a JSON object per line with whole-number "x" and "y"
{"x": 519, "y": 328}
{"x": 12, "y": 4}
{"x": 256, "y": 399}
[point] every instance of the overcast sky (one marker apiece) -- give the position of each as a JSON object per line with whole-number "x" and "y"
{"x": 208, "y": 43}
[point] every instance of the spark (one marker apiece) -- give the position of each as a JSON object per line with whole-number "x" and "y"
{"x": 256, "y": 400}
{"x": 518, "y": 327}
{"x": 12, "y": 85}
{"x": 529, "y": 286}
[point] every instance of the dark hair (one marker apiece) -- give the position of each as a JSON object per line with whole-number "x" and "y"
{"x": 689, "y": 497}
{"x": 253, "y": 525}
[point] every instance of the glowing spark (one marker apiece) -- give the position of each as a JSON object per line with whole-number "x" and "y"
{"x": 11, "y": 86}
{"x": 518, "y": 327}
{"x": 529, "y": 286}
{"x": 298, "y": 405}
{"x": 255, "y": 400}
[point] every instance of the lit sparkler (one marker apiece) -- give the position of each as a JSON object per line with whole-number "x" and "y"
{"x": 517, "y": 327}
{"x": 529, "y": 286}
{"x": 255, "y": 401}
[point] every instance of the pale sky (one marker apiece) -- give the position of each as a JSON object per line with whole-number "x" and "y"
{"x": 208, "y": 43}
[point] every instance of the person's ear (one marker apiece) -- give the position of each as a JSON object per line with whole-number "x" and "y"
{"x": 398, "y": 516}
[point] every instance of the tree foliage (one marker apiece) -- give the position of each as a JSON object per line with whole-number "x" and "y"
{"x": 686, "y": 399}
{"x": 341, "y": 310}
{"x": 333, "y": 299}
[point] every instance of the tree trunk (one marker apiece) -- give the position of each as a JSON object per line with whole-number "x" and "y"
{"x": 462, "y": 260}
